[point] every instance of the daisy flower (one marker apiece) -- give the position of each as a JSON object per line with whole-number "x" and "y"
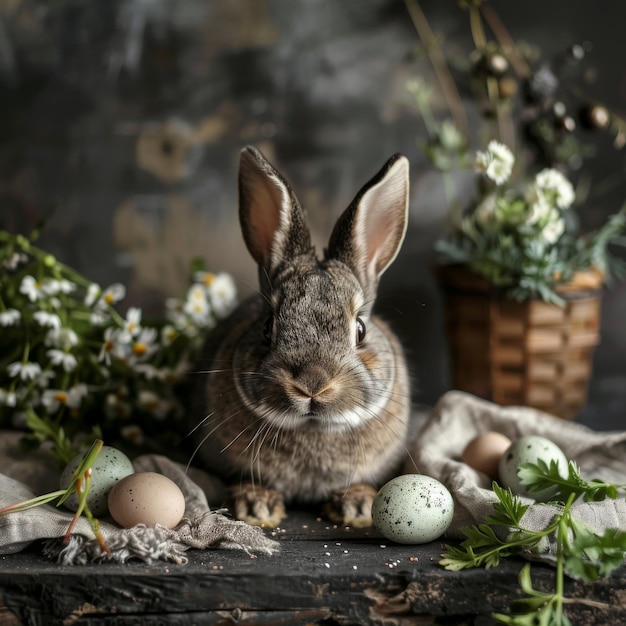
{"x": 62, "y": 338}
{"x": 10, "y": 317}
{"x": 31, "y": 288}
{"x": 223, "y": 294}
{"x": 26, "y": 371}
{"x": 51, "y": 320}
{"x": 93, "y": 293}
{"x": 65, "y": 359}
{"x": 7, "y": 398}
{"x": 113, "y": 294}
{"x": 496, "y": 163}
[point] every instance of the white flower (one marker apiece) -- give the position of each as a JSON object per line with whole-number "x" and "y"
{"x": 66, "y": 286}
{"x": 540, "y": 211}
{"x": 113, "y": 345}
{"x": 554, "y": 228}
{"x": 550, "y": 183}
{"x": 144, "y": 345}
{"x": 93, "y": 293}
{"x": 197, "y": 306}
{"x": 7, "y": 398}
{"x": 53, "y": 399}
{"x": 10, "y": 317}
{"x": 51, "y": 320}
{"x": 204, "y": 278}
{"x": 43, "y": 380}
{"x": 113, "y": 294}
{"x": 14, "y": 261}
{"x": 168, "y": 334}
{"x": 26, "y": 371}
{"x": 99, "y": 317}
{"x": 62, "y": 338}
{"x": 132, "y": 324}
{"x": 496, "y": 162}
{"x": 223, "y": 294}
{"x": 31, "y": 288}
{"x": 65, "y": 359}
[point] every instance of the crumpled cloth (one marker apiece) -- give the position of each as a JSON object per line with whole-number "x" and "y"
{"x": 458, "y": 417}
{"x": 200, "y": 528}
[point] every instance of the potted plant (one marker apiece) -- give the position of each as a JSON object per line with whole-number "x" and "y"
{"x": 520, "y": 280}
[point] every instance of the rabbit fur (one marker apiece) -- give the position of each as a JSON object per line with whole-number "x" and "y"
{"x": 306, "y": 397}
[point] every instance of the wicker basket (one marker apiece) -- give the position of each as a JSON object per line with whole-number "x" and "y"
{"x": 522, "y": 353}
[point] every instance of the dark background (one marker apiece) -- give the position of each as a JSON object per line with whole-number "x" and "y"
{"x": 126, "y": 118}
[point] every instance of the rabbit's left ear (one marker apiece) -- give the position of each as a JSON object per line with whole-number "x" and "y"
{"x": 368, "y": 235}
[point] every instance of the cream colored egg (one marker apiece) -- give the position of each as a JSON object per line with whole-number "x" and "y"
{"x": 146, "y": 498}
{"x": 484, "y": 452}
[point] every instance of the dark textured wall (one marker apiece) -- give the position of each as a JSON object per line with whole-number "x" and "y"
{"x": 126, "y": 117}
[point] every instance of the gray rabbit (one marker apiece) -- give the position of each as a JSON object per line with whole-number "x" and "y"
{"x": 306, "y": 397}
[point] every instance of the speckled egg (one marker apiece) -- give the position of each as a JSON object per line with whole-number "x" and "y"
{"x": 110, "y": 466}
{"x": 529, "y": 449}
{"x": 146, "y": 498}
{"x": 413, "y": 509}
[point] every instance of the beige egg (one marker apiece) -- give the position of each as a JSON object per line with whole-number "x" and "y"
{"x": 483, "y": 453}
{"x": 146, "y": 498}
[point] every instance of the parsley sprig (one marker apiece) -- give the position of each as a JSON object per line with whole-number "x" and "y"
{"x": 580, "y": 551}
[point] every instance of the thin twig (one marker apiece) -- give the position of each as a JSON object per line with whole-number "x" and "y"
{"x": 440, "y": 67}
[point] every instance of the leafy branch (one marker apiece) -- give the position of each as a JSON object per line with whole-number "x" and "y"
{"x": 580, "y": 551}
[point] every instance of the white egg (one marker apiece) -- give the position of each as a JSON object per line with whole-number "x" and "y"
{"x": 110, "y": 466}
{"x": 146, "y": 498}
{"x": 413, "y": 509}
{"x": 530, "y": 449}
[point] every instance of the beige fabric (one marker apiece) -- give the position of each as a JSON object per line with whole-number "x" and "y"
{"x": 458, "y": 417}
{"x": 201, "y": 527}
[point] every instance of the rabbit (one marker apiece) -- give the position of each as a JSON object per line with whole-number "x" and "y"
{"x": 306, "y": 398}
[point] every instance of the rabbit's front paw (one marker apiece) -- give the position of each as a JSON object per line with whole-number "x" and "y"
{"x": 352, "y": 506}
{"x": 257, "y": 505}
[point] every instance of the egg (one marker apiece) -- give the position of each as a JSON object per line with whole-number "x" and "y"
{"x": 110, "y": 466}
{"x": 412, "y": 509}
{"x": 483, "y": 453}
{"x": 530, "y": 449}
{"x": 146, "y": 498}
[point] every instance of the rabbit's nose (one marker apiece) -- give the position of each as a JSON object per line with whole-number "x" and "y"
{"x": 313, "y": 383}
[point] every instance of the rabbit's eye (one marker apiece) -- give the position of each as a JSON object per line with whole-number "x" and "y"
{"x": 268, "y": 327}
{"x": 360, "y": 330}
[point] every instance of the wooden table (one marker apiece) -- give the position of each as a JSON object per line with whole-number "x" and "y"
{"x": 322, "y": 575}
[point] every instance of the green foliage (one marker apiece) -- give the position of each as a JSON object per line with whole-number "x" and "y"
{"x": 580, "y": 551}
{"x": 73, "y": 368}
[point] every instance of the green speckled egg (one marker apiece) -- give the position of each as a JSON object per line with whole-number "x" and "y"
{"x": 110, "y": 466}
{"x": 413, "y": 509}
{"x": 529, "y": 449}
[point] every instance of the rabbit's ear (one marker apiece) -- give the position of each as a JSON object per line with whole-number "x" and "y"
{"x": 368, "y": 235}
{"x": 272, "y": 221}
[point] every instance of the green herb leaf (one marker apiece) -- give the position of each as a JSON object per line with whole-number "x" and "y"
{"x": 539, "y": 476}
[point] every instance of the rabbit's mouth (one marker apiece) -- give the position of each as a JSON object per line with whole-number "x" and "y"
{"x": 318, "y": 418}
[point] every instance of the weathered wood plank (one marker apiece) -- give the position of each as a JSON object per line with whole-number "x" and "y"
{"x": 323, "y": 575}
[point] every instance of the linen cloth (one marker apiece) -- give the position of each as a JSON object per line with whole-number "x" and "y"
{"x": 458, "y": 417}
{"x": 200, "y": 528}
